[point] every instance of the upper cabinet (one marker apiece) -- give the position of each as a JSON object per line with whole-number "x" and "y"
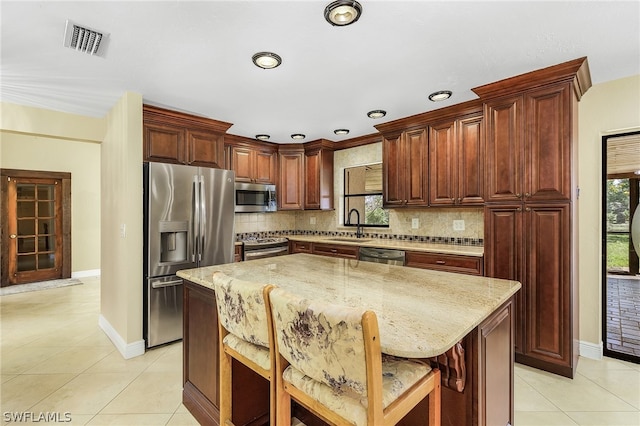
{"x": 174, "y": 137}
{"x": 529, "y": 140}
{"x": 291, "y": 182}
{"x": 318, "y": 171}
{"x": 252, "y": 161}
{"x": 456, "y": 162}
{"x": 405, "y": 169}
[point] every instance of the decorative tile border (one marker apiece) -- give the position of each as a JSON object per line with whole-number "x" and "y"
{"x": 479, "y": 242}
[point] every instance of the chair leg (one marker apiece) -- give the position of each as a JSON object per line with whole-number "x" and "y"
{"x": 225, "y": 387}
{"x": 283, "y": 406}
{"x": 435, "y": 403}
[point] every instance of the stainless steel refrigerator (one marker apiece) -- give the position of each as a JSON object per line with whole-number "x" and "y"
{"x": 189, "y": 223}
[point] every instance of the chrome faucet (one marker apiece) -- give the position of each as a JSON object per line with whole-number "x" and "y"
{"x": 358, "y": 230}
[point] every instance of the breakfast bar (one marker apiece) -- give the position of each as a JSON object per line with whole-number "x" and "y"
{"x": 463, "y": 324}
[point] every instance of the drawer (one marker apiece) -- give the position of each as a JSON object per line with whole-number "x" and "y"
{"x": 349, "y": 252}
{"x": 445, "y": 262}
{"x": 300, "y": 247}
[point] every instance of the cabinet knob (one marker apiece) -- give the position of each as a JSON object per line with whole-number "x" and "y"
{"x": 518, "y": 195}
{"x": 519, "y": 209}
{"x": 528, "y": 209}
{"x": 459, "y": 200}
{"x": 12, "y": 236}
{"x": 440, "y": 262}
{"x": 526, "y": 194}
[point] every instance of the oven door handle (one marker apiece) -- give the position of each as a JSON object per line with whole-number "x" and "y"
{"x": 256, "y": 254}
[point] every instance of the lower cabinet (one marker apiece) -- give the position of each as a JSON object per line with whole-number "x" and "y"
{"x": 324, "y": 249}
{"x": 470, "y": 265}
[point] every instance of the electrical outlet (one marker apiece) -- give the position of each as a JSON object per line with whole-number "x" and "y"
{"x": 415, "y": 223}
{"x": 312, "y": 220}
{"x": 458, "y": 225}
{"x": 123, "y": 230}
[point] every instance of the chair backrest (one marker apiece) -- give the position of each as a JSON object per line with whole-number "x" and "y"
{"x": 241, "y": 308}
{"x": 324, "y": 341}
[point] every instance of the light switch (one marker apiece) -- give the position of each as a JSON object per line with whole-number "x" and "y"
{"x": 123, "y": 230}
{"x": 415, "y": 223}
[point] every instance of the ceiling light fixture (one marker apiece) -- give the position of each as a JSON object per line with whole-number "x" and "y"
{"x": 342, "y": 12}
{"x": 442, "y": 95}
{"x": 341, "y": 131}
{"x": 298, "y": 136}
{"x": 376, "y": 113}
{"x": 266, "y": 60}
{"x": 263, "y": 137}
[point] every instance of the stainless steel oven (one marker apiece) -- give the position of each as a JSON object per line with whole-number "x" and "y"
{"x": 259, "y": 248}
{"x": 255, "y": 197}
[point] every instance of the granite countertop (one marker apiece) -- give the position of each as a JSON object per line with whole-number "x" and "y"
{"x": 460, "y": 250}
{"x": 421, "y": 313}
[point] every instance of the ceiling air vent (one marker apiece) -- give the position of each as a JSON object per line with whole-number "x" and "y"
{"x": 84, "y": 39}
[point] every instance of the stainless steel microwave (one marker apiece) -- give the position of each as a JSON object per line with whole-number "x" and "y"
{"x": 255, "y": 197}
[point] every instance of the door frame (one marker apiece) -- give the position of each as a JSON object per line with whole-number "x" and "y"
{"x": 603, "y": 286}
{"x": 65, "y": 177}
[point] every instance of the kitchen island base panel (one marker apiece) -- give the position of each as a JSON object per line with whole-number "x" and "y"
{"x": 487, "y": 397}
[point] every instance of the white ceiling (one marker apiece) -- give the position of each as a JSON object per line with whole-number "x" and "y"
{"x": 196, "y": 56}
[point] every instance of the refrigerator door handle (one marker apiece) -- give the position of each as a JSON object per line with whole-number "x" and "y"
{"x": 195, "y": 222}
{"x": 162, "y": 284}
{"x": 203, "y": 217}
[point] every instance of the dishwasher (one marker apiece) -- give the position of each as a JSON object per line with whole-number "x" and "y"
{"x": 379, "y": 255}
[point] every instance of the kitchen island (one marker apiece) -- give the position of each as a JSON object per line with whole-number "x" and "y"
{"x": 461, "y": 323}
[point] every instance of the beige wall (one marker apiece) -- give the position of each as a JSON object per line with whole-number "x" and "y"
{"x": 121, "y": 225}
{"x": 605, "y": 109}
{"x": 38, "y": 139}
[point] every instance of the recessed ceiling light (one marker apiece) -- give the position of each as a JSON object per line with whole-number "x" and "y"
{"x": 263, "y": 137}
{"x": 442, "y": 95}
{"x": 298, "y": 136}
{"x": 342, "y": 12}
{"x": 266, "y": 60}
{"x": 341, "y": 131}
{"x": 376, "y": 113}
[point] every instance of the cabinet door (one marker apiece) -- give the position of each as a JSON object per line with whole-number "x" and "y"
{"x": 393, "y": 172}
{"x": 504, "y": 151}
{"x": 548, "y": 290}
{"x": 163, "y": 143}
{"x": 417, "y": 167}
{"x": 205, "y": 149}
{"x": 503, "y": 256}
{"x": 290, "y": 189}
{"x": 470, "y": 159}
{"x": 443, "y": 165}
{"x": 242, "y": 163}
{"x": 265, "y": 167}
{"x": 312, "y": 164}
{"x": 548, "y": 143}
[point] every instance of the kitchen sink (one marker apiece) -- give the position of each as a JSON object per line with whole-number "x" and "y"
{"x": 350, "y": 240}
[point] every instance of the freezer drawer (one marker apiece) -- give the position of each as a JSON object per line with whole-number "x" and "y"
{"x": 164, "y": 310}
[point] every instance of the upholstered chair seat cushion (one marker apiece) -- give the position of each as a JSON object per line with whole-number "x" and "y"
{"x": 398, "y": 375}
{"x": 257, "y": 354}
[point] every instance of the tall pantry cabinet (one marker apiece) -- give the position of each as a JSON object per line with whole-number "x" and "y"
{"x": 531, "y": 206}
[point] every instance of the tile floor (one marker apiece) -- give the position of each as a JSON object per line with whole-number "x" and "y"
{"x": 55, "y": 359}
{"x": 623, "y": 314}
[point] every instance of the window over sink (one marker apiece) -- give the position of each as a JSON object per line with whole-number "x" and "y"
{"x": 363, "y": 192}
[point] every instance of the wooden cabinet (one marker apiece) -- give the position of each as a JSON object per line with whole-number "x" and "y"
{"x": 456, "y": 162}
{"x": 300, "y": 247}
{"x": 238, "y": 255}
{"x": 318, "y": 169}
{"x": 405, "y": 169}
{"x": 324, "y": 249}
{"x": 291, "y": 182}
{"x": 252, "y": 161}
{"x": 173, "y": 137}
{"x": 470, "y": 265}
{"x": 529, "y": 145}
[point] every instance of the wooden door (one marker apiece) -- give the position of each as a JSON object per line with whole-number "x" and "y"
{"x": 265, "y": 167}
{"x": 470, "y": 156}
{"x": 503, "y": 256}
{"x": 36, "y": 237}
{"x": 312, "y": 180}
{"x": 205, "y": 149}
{"x": 163, "y": 143}
{"x": 242, "y": 163}
{"x": 504, "y": 125}
{"x": 443, "y": 164}
{"x": 290, "y": 190}
{"x": 393, "y": 172}
{"x": 548, "y": 144}
{"x": 417, "y": 167}
{"x": 548, "y": 291}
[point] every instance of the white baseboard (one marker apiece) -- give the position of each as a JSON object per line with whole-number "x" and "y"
{"x": 591, "y": 350}
{"x": 85, "y": 274}
{"x": 127, "y": 350}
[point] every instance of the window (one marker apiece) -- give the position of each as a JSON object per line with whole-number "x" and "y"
{"x": 363, "y": 192}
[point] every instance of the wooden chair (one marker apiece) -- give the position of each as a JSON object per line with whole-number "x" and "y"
{"x": 244, "y": 335}
{"x": 328, "y": 359}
